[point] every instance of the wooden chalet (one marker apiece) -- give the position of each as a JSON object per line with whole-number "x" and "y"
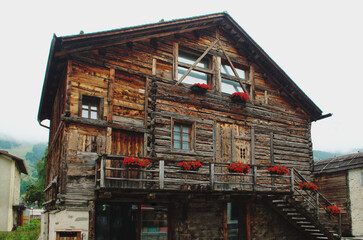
{"x": 127, "y": 93}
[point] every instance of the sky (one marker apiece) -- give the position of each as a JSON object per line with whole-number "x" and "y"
{"x": 318, "y": 43}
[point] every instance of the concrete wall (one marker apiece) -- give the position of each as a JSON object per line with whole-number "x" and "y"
{"x": 356, "y": 200}
{"x": 7, "y": 171}
{"x": 68, "y": 221}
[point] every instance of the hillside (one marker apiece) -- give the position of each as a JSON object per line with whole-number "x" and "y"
{"x": 30, "y": 152}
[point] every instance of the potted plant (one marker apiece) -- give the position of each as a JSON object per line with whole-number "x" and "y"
{"x": 279, "y": 170}
{"x": 240, "y": 97}
{"x": 190, "y": 165}
{"x": 239, "y": 168}
{"x": 308, "y": 186}
{"x": 333, "y": 210}
{"x": 200, "y": 87}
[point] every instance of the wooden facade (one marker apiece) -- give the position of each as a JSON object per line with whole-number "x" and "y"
{"x": 126, "y": 92}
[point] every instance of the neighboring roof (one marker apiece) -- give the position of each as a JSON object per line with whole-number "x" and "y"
{"x": 63, "y": 46}
{"x": 19, "y": 162}
{"x": 338, "y": 164}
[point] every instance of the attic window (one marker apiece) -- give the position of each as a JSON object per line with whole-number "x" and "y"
{"x": 90, "y": 107}
{"x": 230, "y": 83}
{"x": 197, "y": 75}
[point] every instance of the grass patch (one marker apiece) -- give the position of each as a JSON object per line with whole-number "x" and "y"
{"x": 30, "y": 231}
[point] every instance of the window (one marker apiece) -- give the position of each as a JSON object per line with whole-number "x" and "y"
{"x": 195, "y": 76}
{"x": 90, "y": 107}
{"x": 182, "y": 136}
{"x": 229, "y": 81}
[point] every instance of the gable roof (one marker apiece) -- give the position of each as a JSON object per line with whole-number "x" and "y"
{"x": 19, "y": 161}
{"x": 63, "y": 46}
{"x": 337, "y": 164}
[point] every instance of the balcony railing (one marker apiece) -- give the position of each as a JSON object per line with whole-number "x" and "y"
{"x": 167, "y": 175}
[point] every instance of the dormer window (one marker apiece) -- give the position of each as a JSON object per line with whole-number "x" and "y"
{"x": 197, "y": 75}
{"x": 90, "y": 107}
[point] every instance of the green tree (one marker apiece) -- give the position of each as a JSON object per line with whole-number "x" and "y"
{"x": 34, "y": 192}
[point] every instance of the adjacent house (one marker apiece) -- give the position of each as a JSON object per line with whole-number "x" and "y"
{"x": 11, "y": 210}
{"x": 340, "y": 179}
{"x": 178, "y": 130}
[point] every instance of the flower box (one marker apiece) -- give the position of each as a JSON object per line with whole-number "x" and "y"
{"x": 135, "y": 162}
{"x": 200, "y": 87}
{"x": 279, "y": 170}
{"x": 333, "y": 210}
{"x": 240, "y": 97}
{"x": 239, "y": 168}
{"x": 190, "y": 166}
{"x": 308, "y": 186}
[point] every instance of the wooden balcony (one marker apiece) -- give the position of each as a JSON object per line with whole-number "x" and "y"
{"x": 162, "y": 175}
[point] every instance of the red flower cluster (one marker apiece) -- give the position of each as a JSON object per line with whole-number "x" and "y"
{"x": 308, "y": 186}
{"x": 192, "y": 165}
{"x": 201, "y": 85}
{"x": 239, "y": 168}
{"x": 280, "y": 170}
{"x": 240, "y": 97}
{"x": 136, "y": 162}
{"x": 333, "y": 210}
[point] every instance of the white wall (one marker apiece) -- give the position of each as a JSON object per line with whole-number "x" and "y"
{"x": 356, "y": 200}
{"x": 68, "y": 221}
{"x": 7, "y": 168}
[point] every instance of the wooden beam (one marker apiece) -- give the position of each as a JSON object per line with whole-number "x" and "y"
{"x": 217, "y": 61}
{"x": 175, "y": 60}
{"x": 252, "y": 145}
{"x": 146, "y": 102}
{"x": 246, "y": 221}
{"x": 272, "y": 157}
{"x": 154, "y": 65}
{"x": 252, "y": 81}
{"x": 68, "y": 86}
{"x": 196, "y": 62}
{"x": 111, "y": 81}
{"x": 232, "y": 66}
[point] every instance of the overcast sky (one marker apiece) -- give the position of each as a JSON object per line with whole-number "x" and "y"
{"x": 319, "y": 44}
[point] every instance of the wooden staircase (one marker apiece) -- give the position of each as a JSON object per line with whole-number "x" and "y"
{"x": 305, "y": 210}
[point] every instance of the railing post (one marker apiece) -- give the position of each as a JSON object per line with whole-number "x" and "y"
{"x": 292, "y": 179}
{"x": 161, "y": 174}
{"x": 317, "y": 204}
{"x": 211, "y": 172}
{"x": 254, "y": 178}
{"x": 102, "y": 173}
{"x": 340, "y": 224}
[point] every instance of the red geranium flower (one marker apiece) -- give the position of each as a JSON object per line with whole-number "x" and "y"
{"x": 280, "y": 170}
{"x": 192, "y": 165}
{"x": 308, "y": 186}
{"x": 333, "y": 210}
{"x": 136, "y": 162}
{"x": 239, "y": 168}
{"x": 240, "y": 97}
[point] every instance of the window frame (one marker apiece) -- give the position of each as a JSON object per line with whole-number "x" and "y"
{"x": 208, "y": 71}
{"x": 90, "y": 99}
{"x": 192, "y": 137}
{"x": 232, "y": 77}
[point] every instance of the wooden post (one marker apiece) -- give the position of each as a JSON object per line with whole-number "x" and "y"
{"x": 232, "y": 142}
{"x": 252, "y": 81}
{"x": 211, "y": 171}
{"x": 254, "y": 178}
{"x": 292, "y": 179}
{"x": 340, "y": 224}
{"x": 153, "y": 69}
{"x": 102, "y": 174}
{"x": 217, "y": 73}
{"x": 252, "y": 145}
{"x": 68, "y": 86}
{"x": 161, "y": 174}
{"x": 317, "y": 204}
{"x": 272, "y": 157}
{"x": 175, "y": 60}
{"x": 110, "y": 94}
{"x": 246, "y": 221}
{"x": 146, "y": 101}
